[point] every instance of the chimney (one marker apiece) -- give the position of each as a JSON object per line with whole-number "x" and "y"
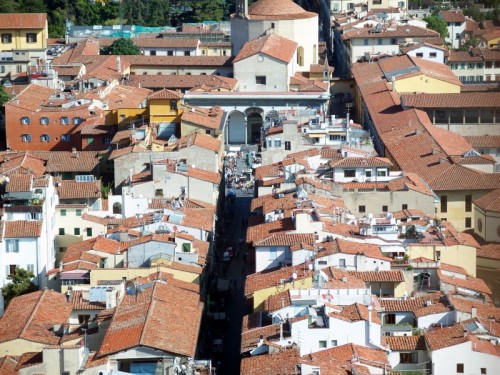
{"x": 118, "y": 64}
{"x": 473, "y": 312}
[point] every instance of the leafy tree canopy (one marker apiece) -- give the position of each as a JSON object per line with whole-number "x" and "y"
{"x": 20, "y": 284}
{"x": 437, "y": 24}
{"x": 133, "y": 12}
{"x": 4, "y": 97}
{"x": 121, "y": 46}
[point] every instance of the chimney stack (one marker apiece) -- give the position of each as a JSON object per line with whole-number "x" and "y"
{"x": 473, "y": 312}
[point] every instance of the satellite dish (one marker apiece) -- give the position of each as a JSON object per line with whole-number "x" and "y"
{"x": 130, "y": 288}
{"x": 310, "y": 266}
{"x": 294, "y": 275}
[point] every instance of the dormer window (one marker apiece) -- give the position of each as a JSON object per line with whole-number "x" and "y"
{"x": 44, "y": 138}
{"x": 64, "y": 120}
{"x": 44, "y": 121}
{"x": 25, "y": 120}
{"x": 26, "y": 138}
{"x": 77, "y": 120}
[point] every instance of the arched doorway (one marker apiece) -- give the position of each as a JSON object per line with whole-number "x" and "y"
{"x": 254, "y": 126}
{"x": 236, "y": 128}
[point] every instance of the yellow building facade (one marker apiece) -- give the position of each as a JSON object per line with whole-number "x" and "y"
{"x": 458, "y": 255}
{"x": 27, "y": 31}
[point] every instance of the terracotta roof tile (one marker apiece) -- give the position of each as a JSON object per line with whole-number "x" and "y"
{"x": 277, "y": 301}
{"x": 452, "y": 15}
{"x": 69, "y": 189}
{"x": 163, "y": 317}
{"x": 23, "y": 21}
{"x": 31, "y": 317}
{"x": 277, "y": 10}
{"x": 264, "y": 230}
{"x": 491, "y": 251}
{"x": 353, "y": 162}
{"x": 19, "y": 183}
{"x": 356, "y": 312}
{"x": 29, "y": 359}
{"x": 210, "y": 118}
{"x": 380, "y": 276}
{"x": 391, "y": 32}
{"x": 272, "y": 277}
{"x": 284, "y": 239}
{"x": 271, "y": 45}
{"x": 461, "y": 100}
{"x": 339, "y": 360}
{"x": 283, "y": 362}
{"x": 67, "y": 161}
{"x": 445, "y": 337}
{"x": 79, "y": 303}
{"x": 183, "y": 82}
{"x": 142, "y": 60}
{"x": 470, "y": 283}
{"x": 21, "y": 163}
{"x": 489, "y": 202}
{"x": 250, "y": 338}
{"x": 405, "y": 343}
{"x": 23, "y": 229}
{"x": 8, "y": 365}
{"x": 465, "y": 304}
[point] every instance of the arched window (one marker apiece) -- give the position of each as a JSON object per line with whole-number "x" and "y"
{"x": 300, "y": 56}
{"x": 117, "y": 208}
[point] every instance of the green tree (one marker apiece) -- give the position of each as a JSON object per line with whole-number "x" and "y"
{"x": 57, "y": 24}
{"x": 437, "y": 24}
{"x": 32, "y": 6}
{"x": 20, "y": 284}
{"x": 4, "y": 97}
{"x": 121, "y": 46}
{"x": 208, "y": 10}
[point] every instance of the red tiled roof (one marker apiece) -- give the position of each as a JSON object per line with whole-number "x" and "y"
{"x": 183, "y": 82}
{"x": 272, "y": 45}
{"x": 465, "y": 304}
{"x": 23, "y": 21}
{"x": 461, "y": 100}
{"x": 69, "y": 189}
{"x": 283, "y": 362}
{"x": 251, "y": 337}
{"x": 21, "y": 163}
{"x": 405, "y": 343}
{"x": 32, "y": 316}
{"x": 210, "y": 118}
{"x": 81, "y": 304}
{"x": 264, "y": 230}
{"x": 8, "y": 365}
{"x": 277, "y": 10}
{"x": 165, "y": 94}
{"x": 392, "y": 32}
{"x": 277, "y": 301}
{"x": 445, "y": 337}
{"x": 353, "y": 162}
{"x": 491, "y": 251}
{"x": 489, "y": 202}
{"x": 484, "y": 141}
{"x": 272, "y": 277}
{"x": 163, "y": 317}
{"x": 470, "y": 283}
{"x": 356, "y": 312}
{"x": 23, "y": 229}
{"x": 339, "y": 360}
{"x": 201, "y": 140}
{"x": 142, "y": 60}
{"x": 452, "y": 15}
{"x": 284, "y": 239}
{"x": 392, "y": 276}
{"x": 19, "y": 183}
